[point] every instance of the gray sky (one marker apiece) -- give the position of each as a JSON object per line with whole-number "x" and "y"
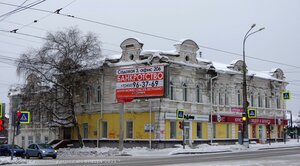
{"x": 218, "y": 24}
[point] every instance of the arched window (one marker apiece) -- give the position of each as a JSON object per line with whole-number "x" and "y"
{"x": 87, "y": 94}
{"x": 251, "y": 99}
{"x": 98, "y": 94}
{"x": 171, "y": 91}
{"x": 226, "y": 98}
{"x": 184, "y": 92}
{"x": 259, "y": 100}
{"x": 278, "y": 101}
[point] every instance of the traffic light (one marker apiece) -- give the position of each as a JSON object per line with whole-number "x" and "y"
{"x": 180, "y": 124}
{"x": 1, "y": 125}
{"x": 18, "y": 117}
{"x": 244, "y": 118}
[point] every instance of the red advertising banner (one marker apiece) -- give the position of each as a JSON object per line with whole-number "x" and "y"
{"x": 142, "y": 81}
{"x": 236, "y": 119}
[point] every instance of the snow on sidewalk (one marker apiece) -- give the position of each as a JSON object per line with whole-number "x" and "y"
{"x": 69, "y": 155}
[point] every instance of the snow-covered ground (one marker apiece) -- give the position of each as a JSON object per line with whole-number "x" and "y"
{"x": 105, "y": 154}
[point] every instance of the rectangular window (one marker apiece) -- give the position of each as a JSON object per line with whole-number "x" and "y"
{"x": 129, "y": 129}
{"x": 226, "y": 99}
{"x": 38, "y": 139}
{"x": 46, "y": 139}
{"x": 98, "y": 94}
{"x": 227, "y": 130}
{"x": 215, "y": 130}
{"x": 30, "y": 140}
{"x": 85, "y": 127}
{"x": 171, "y": 92}
{"x": 199, "y": 130}
{"x": 23, "y": 142}
{"x": 278, "y": 102}
{"x": 199, "y": 95}
{"x": 172, "y": 129}
{"x": 266, "y": 102}
{"x": 239, "y": 98}
{"x": 184, "y": 92}
{"x": 104, "y": 129}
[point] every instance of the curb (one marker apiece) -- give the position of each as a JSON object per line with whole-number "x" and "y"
{"x": 200, "y": 152}
{"x": 283, "y": 147}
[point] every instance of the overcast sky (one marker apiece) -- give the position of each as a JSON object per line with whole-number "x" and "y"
{"x": 216, "y": 24}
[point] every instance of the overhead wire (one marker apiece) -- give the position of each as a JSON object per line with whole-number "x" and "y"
{"x": 21, "y": 8}
{"x": 152, "y": 35}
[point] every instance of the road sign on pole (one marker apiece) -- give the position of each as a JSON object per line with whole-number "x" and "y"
{"x": 25, "y": 117}
{"x": 180, "y": 114}
{"x": 251, "y": 112}
{"x": 286, "y": 95}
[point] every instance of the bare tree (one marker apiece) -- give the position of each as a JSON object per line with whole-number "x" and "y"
{"x": 59, "y": 64}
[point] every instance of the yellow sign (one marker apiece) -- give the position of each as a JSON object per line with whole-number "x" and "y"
{"x": 180, "y": 114}
{"x": 25, "y": 117}
{"x": 1, "y": 111}
{"x": 251, "y": 112}
{"x": 286, "y": 95}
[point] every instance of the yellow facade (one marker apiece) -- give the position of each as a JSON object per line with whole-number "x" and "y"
{"x": 94, "y": 121}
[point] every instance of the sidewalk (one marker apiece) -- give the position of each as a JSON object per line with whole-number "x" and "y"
{"x": 100, "y": 154}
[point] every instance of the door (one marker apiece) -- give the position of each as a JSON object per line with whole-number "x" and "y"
{"x": 187, "y": 132}
{"x": 67, "y": 133}
{"x": 261, "y": 134}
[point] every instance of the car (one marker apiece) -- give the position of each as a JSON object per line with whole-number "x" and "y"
{"x": 40, "y": 151}
{"x": 5, "y": 150}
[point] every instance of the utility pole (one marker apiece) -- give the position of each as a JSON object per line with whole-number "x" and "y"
{"x": 245, "y": 102}
{"x": 121, "y": 132}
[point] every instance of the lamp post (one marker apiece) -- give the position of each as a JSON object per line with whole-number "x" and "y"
{"x": 245, "y": 102}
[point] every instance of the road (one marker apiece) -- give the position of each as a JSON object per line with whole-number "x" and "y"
{"x": 274, "y": 157}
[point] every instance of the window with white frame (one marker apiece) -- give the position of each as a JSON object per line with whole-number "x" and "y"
{"x": 171, "y": 91}
{"x": 184, "y": 92}
{"x": 30, "y": 139}
{"x": 221, "y": 98}
{"x": 199, "y": 94}
{"x": 98, "y": 94}
{"x": 259, "y": 100}
{"x": 251, "y": 99}
{"x": 278, "y": 104}
{"x": 239, "y": 98}
{"x": 85, "y": 127}
{"x": 129, "y": 129}
{"x": 199, "y": 130}
{"x": 226, "y": 98}
{"x": 172, "y": 129}
{"x": 267, "y": 104}
{"x": 228, "y": 130}
{"x": 104, "y": 129}
{"x": 87, "y": 95}
{"x": 23, "y": 142}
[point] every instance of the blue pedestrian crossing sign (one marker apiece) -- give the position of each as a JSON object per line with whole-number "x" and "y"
{"x": 251, "y": 112}
{"x": 180, "y": 114}
{"x": 25, "y": 117}
{"x": 286, "y": 95}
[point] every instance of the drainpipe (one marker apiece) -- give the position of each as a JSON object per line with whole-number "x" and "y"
{"x": 101, "y": 110}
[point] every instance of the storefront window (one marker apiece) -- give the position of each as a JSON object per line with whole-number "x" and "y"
{"x": 104, "y": 129}
{"x": 129, "y": 129}
{"x": 85, "y": 130}
{"x": 199, "y": 130}
{"x": 173, "y": 130}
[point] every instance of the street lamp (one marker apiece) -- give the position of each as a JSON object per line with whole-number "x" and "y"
{"x": 245, "y": 102}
